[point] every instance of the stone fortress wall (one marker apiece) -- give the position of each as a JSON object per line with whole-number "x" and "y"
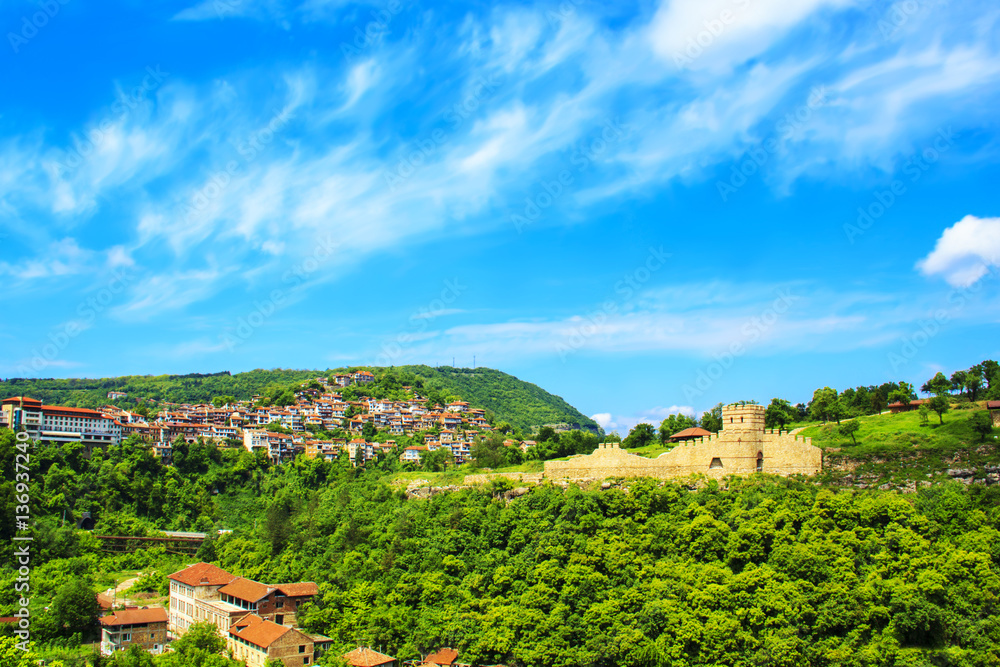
{"x": 742, "y": 447}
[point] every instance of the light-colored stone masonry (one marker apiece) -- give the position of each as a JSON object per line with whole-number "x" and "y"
{"x": 531, "y": 477}
{"x": 742, "y": 447}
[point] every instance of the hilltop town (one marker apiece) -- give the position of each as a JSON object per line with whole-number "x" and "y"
{"x": 280, "y": 432}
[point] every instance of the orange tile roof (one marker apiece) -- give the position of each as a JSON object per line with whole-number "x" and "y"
{"x": 365, "y": 657}
{"x": 23, "y": 399}
{"x": 299, "y": 589}
{"x": 246, "y": 589}
{"x": 72, "y": 411}
{"x": 445, "y": 656}
{"x": 257, "y": 631}
{"x": 135, "y": 617}
{"x": 203, "y": 574}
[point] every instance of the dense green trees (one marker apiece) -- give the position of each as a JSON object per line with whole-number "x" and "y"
{"x": 674, "y": 424}
{"x": 982, "y": 424}
{"x": 779, "y": 414}
{"x": 712, "y": 419}
{"x": 756, "y": 571}
{"x": 642, "y": 434}
{"x": 983, "y": 377}
{"x": 767, "y": 572}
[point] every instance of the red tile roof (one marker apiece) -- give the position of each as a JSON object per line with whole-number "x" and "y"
{"x": 203, "y": 574}
{"x": 694, "y": 432}
{"x": 257, "y": 631}
{"x": 365, "y": 657}
{"x": 298, "y": 590}
{"x": 445, "y": 656}
{"x": 135, "y": 616}
{"x": 993, "y": 405}
{"x": 246, "y": 589}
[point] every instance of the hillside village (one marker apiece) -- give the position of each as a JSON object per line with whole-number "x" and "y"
{"x": 280, "y": 432}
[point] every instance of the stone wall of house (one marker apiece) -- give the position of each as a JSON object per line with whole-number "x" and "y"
{"x": 742, "y": 447}
{"x": 287, "y": 649}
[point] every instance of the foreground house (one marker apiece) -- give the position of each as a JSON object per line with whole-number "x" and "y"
{"x": 994, "y": 408}
{"x": 204, "y": 592}
{"x": 146, "y": 627}
{"x": 256, "y": 640}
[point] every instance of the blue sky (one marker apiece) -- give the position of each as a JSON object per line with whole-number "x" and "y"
{"x": 643, "y": 207}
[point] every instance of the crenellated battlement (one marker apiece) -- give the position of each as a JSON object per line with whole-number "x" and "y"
{"x": 742, "y": 447}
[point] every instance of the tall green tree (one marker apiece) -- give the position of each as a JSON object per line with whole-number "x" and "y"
{"x": 779, "y": 414}
{"x": 368, "y": 431}
{"x": 939, "y": 404}
{"x": 74, "y": 609}
{"x": 824, "y": 405}
{"x": 938, "y": 384}
{"x": 958, "y": 379}
{"x": 982, "y": 424}
{"x": 641, "y": 435}
{"x": 712, "y": 419}
{"x": 849, "y": 428}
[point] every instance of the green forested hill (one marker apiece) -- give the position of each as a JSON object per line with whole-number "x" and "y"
{"x": 519, "y": 403}
{"x": 751, "y": 572}
{"x": 193, "y": 388}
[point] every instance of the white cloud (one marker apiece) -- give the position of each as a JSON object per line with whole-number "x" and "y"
{"x": 965, "y": 252}
{"x": 622, "y": 424}
{"x": 720, "y": 34}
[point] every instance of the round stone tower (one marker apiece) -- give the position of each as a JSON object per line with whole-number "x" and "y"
{"x": 743, "y": 418}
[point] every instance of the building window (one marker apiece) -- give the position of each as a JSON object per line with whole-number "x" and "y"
{"x": 716, "y": 463}
{"x": 760, "y": 461}
{"x": 302, "y": 649}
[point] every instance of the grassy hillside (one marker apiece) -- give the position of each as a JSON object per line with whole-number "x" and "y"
{"x": 519, "y": 403}
{"x": 898, "y": 449}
